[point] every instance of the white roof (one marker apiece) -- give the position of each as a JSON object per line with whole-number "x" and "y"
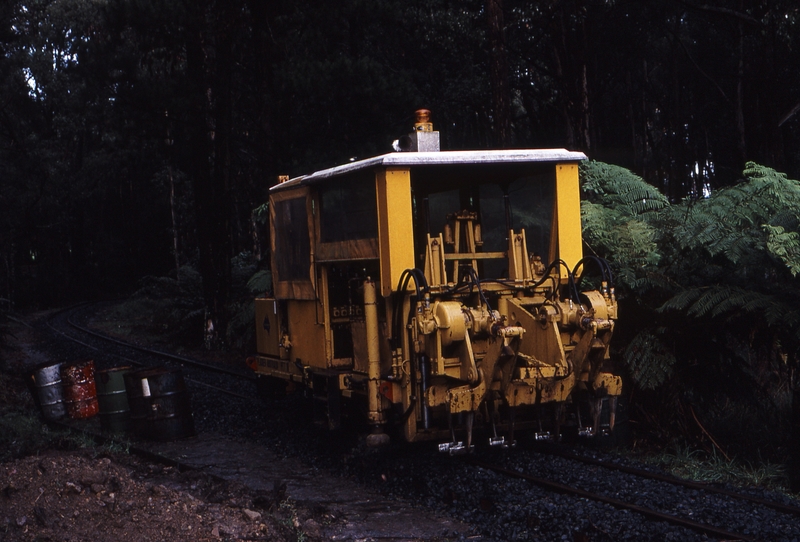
{"x": 440, "y": 158}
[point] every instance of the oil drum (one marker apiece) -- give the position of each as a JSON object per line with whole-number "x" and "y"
{"x": 159, "y": 404}
{"x": 115, "y": 414}
{"x": 138, "y": 403}
{"x": 80, "y": 392}
{"x": 47, "y": 378}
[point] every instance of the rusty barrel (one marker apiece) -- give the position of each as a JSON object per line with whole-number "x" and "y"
{"x": 159, "y": 403}
{"x": 47, "y": 378}
{"x": 115, "y": 414}
{"x": 80, "y": 392}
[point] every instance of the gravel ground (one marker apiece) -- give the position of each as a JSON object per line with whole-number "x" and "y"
{"x": 494, "y": 506}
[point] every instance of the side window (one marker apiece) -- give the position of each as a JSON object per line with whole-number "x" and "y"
{"x": 440, "y": 205}
{"x": 527, "y": 202}
{"x": 291, "y": 239}
{"x": 348, "y": 210}
{"x": 494, "y": 224}
{"x": 531, "y": 202}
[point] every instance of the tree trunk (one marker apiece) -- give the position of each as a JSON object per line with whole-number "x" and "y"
{"x": 174, "y": 225}
{"x": 740, "y": 130}
{"x": 499, "y": 74}
{"x": 209, "y": 127}
{"x": 794, "y": 445}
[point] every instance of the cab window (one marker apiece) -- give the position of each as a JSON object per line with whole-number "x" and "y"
{"x": 348, "y": 210}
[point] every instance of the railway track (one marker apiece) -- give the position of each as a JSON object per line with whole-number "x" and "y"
{"x": 617, "y": 503}
{"x": 691, "y": 484}
{"x": 517, "y": 464}
{"x": 228, "y": 447}
{"x": 156, "y": 356}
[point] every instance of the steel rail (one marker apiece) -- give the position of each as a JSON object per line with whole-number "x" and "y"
{"x": 554, "y": 486}
{"x": 653, "y": 514}
{"x": 161, "y": 353}
{"x": 690, "y": 484}
{"x": 157, "y": 353}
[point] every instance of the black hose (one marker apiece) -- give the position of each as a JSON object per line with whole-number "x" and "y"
{"x": 473, "y": 275}
{"x": 401, "y": 287}
{"x": 420, "y": 285}
{"x": 602, "y": 263}
{"x": 570, "y": 276}
{"x": 419, "y": 276}
{"x": 595, "y": 259}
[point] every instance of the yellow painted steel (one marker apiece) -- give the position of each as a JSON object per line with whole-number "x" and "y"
{"x": 568, "y": 215}
{"x": 375, "y": 415}
{"x": 394, "y": 225}
{"x": 307, "y": 336}
{"x": 453, "y": 350}
{"x": 268, "y": 328}
{"x": 611, "y": 383}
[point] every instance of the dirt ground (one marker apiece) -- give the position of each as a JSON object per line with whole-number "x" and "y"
{"x": 56, "y": 487}
{"x": 74, "y": 496}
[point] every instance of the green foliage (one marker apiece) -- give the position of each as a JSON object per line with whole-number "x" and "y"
{"x": 248, "y": 283}
{"x": 746, "y": 224}
{"x": 240, "y": 329}
{"x": 784, "y": 246}
{"x": 260, "y": 282}
{"x": 685, "y": 462}
{"x": 628, "y": 243}
{"x": 714, "y": 280}
{"x": 722, "y": 300}
{"x": 649, "y": 361}
{"x": 619, "y": 189}
{"x": 171, "y": 309}
{"x": 167, "y": 308}
{"x": 261, "y": 214}
{"x": 619, "y": 215}
{"x": 750, "y": 233}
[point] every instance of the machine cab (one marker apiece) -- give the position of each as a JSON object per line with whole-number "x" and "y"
{"x": 434, "y": 284}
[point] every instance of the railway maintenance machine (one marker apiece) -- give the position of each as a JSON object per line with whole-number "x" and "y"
{"x": 439, "y": 294}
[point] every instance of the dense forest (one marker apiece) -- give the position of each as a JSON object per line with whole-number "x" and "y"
{"x": 137, "y": 137}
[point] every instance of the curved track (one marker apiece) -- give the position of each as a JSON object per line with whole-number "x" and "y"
{"x": 70, "y": 316}
{"x": 235, "y": 438}
{"x": 632, "y": 491}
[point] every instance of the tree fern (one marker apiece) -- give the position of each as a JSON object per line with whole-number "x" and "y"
{"x": 260, "y": 282}
{"x": 261, "y": 213}
{"x": 617, "y": 218}
{"x": 684, "y": 300}
{"x": 721, "y": 266}
{"x": 649, "y": 361}
{"x": 618, "y": 188}
{"x": 785, "y": 246}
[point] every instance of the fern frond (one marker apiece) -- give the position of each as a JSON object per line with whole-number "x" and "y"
{"x": 650, "y": 363}
{"x": 653, "y": 280}
{"x": 785, "y": 246}
{"x": 261, "y": 213}
{"x": 620, "y": 189}
{"x": 721, "y": 300}
{"x": 738, "y": 299}
{"x": 741, "y": 222}
{"x": 682, "y": 300}
{"x": 260, "y": 282}
{"x": 713, "y": 297}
